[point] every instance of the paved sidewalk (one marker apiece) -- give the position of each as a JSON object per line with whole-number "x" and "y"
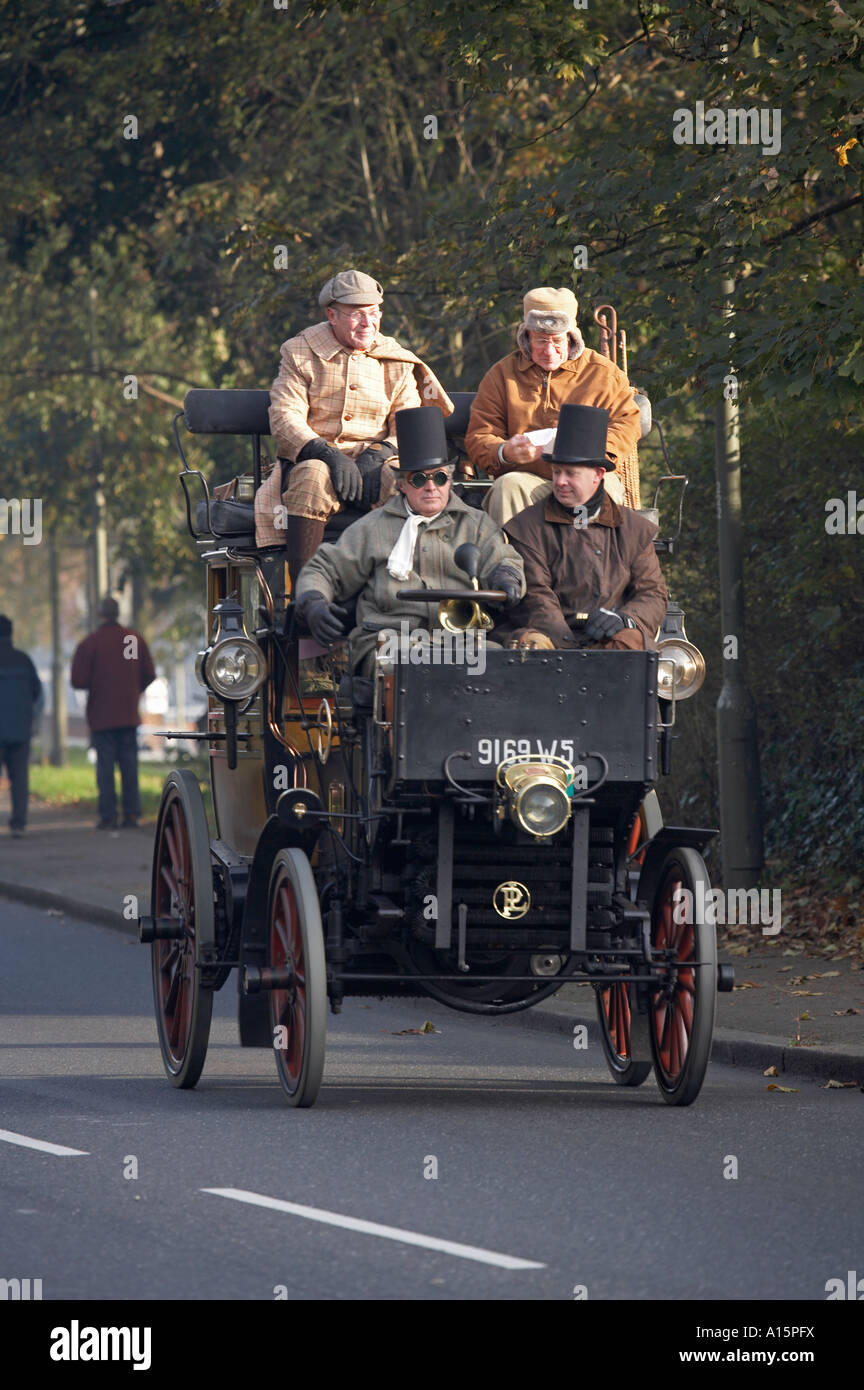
{"x": 64, "y": 863}
{"x": 792, "y": 1008}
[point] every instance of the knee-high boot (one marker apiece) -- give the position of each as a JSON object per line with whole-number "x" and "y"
{"x": 302, "y": 538}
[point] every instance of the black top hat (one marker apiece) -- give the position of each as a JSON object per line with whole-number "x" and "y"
{"x": 581, "y": 437}
{"x": 421, "y": 438}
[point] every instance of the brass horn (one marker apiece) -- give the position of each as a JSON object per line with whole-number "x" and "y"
{"x": 460, "y": 614}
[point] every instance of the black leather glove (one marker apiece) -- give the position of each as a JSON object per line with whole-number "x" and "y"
{"x": 602, "y": 623}
{"x": 370, "y": 463}
{"x": 345, "y": 475}
{"x": 503, "y": 577}
{"x": 325, "y": 620}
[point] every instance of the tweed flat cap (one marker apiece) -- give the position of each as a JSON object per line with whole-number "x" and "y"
{"x": 351, "y": 287}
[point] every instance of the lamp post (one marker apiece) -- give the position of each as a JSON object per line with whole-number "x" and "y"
{"x": 737, "y": 737}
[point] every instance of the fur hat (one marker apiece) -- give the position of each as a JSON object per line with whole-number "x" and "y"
{"x": 550, "y": 311}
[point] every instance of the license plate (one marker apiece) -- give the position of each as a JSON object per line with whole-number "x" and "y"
{"x": 489, "y": 752}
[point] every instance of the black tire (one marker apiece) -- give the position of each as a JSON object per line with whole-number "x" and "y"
{"x": 613, "y": 1013}
{"x": 182, "y": 887}
{"x": 296, "y": 939}
{"x": 682, "y": 1016}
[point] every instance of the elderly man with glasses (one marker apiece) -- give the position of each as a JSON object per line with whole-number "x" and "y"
{"x": 522, "y": 395}
{"x": 408, "y": 543}
{"x": 332, "y": 405}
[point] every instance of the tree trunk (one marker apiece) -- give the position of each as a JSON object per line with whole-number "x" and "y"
{"x": 59, "y": 722}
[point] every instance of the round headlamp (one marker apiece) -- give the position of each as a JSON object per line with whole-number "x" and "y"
{"x": 542, "y": 808}
{"x": 235, "y": 668}
{"x": 538, "y": 797}
{"x": 681, "y": 669}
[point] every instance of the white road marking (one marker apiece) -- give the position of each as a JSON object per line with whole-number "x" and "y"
{"x": 7, "y": 1136}
{"x": 373, "y": 1228}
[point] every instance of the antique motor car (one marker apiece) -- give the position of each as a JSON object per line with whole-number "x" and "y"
{"x": 480, "y": 834}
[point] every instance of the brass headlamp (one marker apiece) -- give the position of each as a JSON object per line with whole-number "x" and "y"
{"x": 536, "y": 793}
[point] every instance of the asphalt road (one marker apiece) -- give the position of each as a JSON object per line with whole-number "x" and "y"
{"x": 549, "y": 1178}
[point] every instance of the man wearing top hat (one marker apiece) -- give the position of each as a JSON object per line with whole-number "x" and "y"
{"x": 409, "y": 542}
{"x": 591, "y": 572}
{"x": 332, "y": 405}
{"x": 525, "y": 391}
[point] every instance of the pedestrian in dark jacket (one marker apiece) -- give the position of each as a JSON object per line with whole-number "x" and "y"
{"x": 591, "y": 572}
{"x": 21, "y": 700}
{"x": 114, "y": 665}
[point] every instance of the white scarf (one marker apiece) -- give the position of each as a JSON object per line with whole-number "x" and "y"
{"x": 400, "y": 561}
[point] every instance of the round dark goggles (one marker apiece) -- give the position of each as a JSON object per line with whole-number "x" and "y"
{"x": 439, "y": 478}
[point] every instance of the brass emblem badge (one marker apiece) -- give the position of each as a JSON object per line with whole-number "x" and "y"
{"x": 511, "y": 899}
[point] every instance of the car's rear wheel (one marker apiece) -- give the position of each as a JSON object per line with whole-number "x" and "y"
{"x": 182, "y": 889}
{"x": 614, "y": 1014}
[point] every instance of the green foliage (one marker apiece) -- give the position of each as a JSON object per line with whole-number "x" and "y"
{"x": 305, "y": 135}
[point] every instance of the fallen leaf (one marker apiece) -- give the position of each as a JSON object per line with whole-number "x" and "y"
{"x": 781, "y": 970}
{"x": 837, "y": 1085}
{"x": 429, "y": 1027}
{"x": 805, "y": 1017}
{"x": 788, "y": 1089}
{"x": 738, "y": 950}
{"x": 844, "y": 1013}
{"x": 748, "y": 984}
{"x": 53, "y": 912}
{"x": 771, "y": 1071}
{"x": 809, "y": 993}
{"x": 825, "y": 975}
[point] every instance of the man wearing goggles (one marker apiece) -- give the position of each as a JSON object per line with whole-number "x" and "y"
{"x": 408, "y": 543}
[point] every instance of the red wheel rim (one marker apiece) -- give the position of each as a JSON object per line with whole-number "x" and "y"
{"x": 616, "y": 1007}
{"x": 672, "y": 1015}
{"x": 175, "y": 960}
{"x": 289, "y": 1005}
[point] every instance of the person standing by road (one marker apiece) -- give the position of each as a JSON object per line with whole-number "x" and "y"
{"x": 115, "y": 666}
{"x": 21, "y": 701}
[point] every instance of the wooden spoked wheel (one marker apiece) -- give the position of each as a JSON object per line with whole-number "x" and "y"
{"x": 298, "y": 1013}
{"x": 182, "y": 889}
{"x": 613, "y": 1012}
{"x": 682, "y": 1014}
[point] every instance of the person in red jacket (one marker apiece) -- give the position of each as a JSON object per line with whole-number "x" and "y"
{"x": 114, "y": 665}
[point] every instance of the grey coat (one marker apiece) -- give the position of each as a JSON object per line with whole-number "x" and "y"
{"x": 356, "y": 565}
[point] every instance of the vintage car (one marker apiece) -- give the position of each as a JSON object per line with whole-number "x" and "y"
{"x": 480, "y": 838}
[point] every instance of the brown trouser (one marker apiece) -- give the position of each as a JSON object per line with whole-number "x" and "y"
{"x": 309, "y": 493}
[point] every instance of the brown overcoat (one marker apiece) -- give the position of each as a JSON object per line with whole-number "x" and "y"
{"x": 610, "y": 563}
{"x": 516, "y": 396}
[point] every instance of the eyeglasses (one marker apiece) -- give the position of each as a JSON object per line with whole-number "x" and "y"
{"x": 358, "y": 315}
{"x": 439, "y": 478}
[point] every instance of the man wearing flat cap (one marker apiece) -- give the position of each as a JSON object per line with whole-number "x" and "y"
{"x": 524, "y": 393}
{"x": 408, "y": 543}
{"x": 332, "y": 406}
{"x": 591, "y": 572}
